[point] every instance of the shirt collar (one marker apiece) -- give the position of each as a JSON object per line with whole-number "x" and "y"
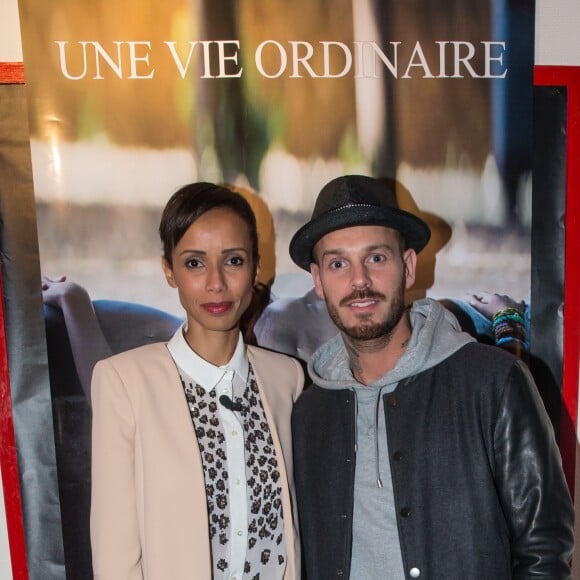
{"x": 201, "y": 371}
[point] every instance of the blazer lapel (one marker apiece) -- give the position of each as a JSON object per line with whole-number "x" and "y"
{"x": 277, "y": 408}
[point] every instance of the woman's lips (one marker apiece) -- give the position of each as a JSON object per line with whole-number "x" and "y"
{"x": 217, "y": 307}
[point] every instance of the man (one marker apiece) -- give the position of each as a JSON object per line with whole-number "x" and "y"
{"x": 419, "y": 453}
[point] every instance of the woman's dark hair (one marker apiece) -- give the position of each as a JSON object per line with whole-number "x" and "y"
{"x": 188, "y": 204}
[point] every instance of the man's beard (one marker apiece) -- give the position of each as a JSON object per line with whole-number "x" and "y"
{"x": 365, "y": 329}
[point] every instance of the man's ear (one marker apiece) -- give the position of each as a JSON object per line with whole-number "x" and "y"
{"x": 315, "y": 272}
{"x": 168, "y": 271}
{"x": 410, "y": 265}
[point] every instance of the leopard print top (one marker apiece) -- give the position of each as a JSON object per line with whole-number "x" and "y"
{"x": 266, "y": 549}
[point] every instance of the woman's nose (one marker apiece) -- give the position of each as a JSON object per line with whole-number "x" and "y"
{"x": 215, "y": 279}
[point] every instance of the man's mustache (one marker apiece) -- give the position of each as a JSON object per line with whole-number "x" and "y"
{"x": 364, "y": 294}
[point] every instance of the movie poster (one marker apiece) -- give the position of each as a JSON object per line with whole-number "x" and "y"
{"x": 127, "y": 102}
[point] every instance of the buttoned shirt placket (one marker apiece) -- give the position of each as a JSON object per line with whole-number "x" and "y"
{"x": 234, "y": 435}
{"x": 225, "y": 380}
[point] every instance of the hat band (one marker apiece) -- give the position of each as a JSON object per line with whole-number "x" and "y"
{"x": 349, "y": 205}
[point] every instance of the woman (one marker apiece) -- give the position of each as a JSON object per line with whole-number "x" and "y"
{"x": 191, "y": 466}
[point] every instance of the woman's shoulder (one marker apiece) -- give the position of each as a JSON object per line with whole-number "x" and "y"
{"x": 261, "y": 353}
{"x": 263, "y": 356}
{"x": 289, "y": 371}
{"x": 147, "y": 354}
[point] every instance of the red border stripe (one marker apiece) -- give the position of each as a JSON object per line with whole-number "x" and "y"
{"x": 11, "y": 73}
{"x": 8, "y": 463}
{"x": 569, "y": 77}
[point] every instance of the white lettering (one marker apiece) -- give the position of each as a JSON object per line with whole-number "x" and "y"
{"x": 442, "y": 70}
{"x": 131, "y": 60}
{"x": 377, "y": 51}
{"x": 347, "y": 59}
{"x": 458, "y": 59}
{"x": 223, "y": 58}
{"x": 134, "y": 59}
{"x": 499, "y": 59}
{"x": 282, "y": 55}
{"x": 303, "y": 60}
{"x": 359, "y": 63}
{"x": 206, "y": 60}
{"x": 62, "y": 59}
{"x": 418, "y": 52}
{"x": 116, "y": 67}
{"x": 181, "y": 67}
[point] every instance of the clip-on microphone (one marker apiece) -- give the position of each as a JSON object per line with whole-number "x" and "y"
{"x": 231, "y": 405}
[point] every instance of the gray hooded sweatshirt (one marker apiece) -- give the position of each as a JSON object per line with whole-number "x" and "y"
{"x": 436, "y": 334}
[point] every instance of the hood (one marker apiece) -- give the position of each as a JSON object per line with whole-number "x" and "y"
{"x": 435, "y": 336}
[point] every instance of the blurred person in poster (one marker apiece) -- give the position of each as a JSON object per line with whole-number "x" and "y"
{"x": 191, "y": 455}
{"x": 293, "y": 325}
{"x": 299, "y": 325}
{"x": 97, "y": 329}
{"x": 418, "y": 452}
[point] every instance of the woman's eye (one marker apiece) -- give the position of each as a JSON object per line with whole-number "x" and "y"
{"x": 236, "y": 261}
{"x": 193, "y": 263}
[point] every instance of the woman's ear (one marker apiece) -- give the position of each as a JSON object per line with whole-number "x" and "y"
{"x": 168, "y": 271}
{"x": 257, "y": 272}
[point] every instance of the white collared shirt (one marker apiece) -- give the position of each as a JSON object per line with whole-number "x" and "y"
{"x": 230, "y": 380}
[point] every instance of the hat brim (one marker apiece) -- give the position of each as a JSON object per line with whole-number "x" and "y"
{"x": 415, "y": 231}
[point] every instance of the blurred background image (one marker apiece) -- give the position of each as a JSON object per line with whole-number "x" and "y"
{"x": 108, "y": 150}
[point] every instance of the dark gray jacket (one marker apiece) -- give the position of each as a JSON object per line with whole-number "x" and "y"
{"x": 478, "y": 486}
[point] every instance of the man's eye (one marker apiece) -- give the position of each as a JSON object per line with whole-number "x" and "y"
{"x": 336, "y": 265}
{"x": 377, "y": 258}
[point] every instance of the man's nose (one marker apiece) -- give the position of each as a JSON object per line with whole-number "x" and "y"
{"x": 360, "y": 277}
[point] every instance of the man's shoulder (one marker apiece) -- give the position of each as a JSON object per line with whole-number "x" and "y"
{"x": 480, "y": 355}
{"x": 474, "y": 370}
{"x": 314, "y": 397}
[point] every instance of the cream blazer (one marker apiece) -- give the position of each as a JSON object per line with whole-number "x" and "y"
{"x": 148, "y": 505}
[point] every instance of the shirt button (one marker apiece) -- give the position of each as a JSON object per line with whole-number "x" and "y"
{"x": 398, "y": 455}
{"x": 234, "y": 433}
{"x": 240, "y": 532}
{"x": 414, "y": 572}
{"x": 238, "y": 481}
{"x": 405, "y": 512}
{"x": 392, "y": 401}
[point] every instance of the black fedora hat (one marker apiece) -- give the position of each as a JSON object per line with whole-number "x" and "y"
{"x": 356, "y": 200}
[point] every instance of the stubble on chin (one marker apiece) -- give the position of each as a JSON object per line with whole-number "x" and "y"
{"x": 367, "y": 330}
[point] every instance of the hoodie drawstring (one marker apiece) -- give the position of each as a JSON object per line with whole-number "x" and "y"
{"x": 355, "y": 421}
{"x": 377, "y": 408}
